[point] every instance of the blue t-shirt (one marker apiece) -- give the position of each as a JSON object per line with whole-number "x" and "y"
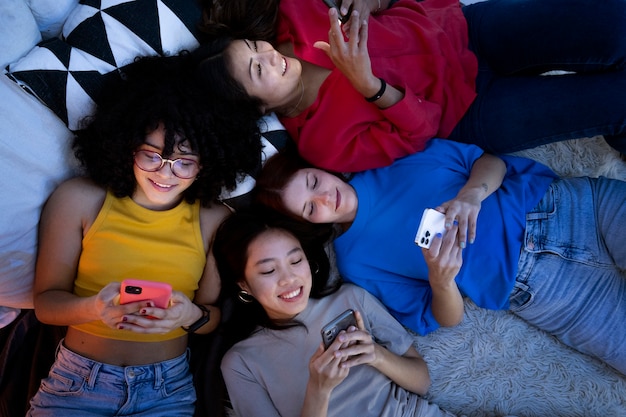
{"x": 378, "y": 251}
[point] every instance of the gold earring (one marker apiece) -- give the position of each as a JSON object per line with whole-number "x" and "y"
{"x": 245, "y": 297}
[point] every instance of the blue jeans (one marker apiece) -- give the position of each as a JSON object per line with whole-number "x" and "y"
{"x": 515, "y": 41}
{"x": 571, "y": 280}
{"x": 78, "y": 386}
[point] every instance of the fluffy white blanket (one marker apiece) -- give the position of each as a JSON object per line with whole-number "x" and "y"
{"x": 494, "y": 364}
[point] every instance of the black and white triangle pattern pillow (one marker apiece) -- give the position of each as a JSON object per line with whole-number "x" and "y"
{"x": 99, "y": 37}
{"x": 274, "y": 138}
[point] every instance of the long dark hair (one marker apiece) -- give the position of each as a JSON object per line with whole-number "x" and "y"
{"x": 214, "y": 74}
{"x": 230, "y": 248}
{"x": 250, "y": 19}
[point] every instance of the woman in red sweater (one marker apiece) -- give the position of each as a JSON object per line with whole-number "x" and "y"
{"x": 359, "y": 96}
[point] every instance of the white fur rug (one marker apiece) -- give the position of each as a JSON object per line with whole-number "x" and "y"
{"x": 494, "y": 364}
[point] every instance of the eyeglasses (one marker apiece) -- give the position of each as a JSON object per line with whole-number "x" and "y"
{"x": 183, "y": 168}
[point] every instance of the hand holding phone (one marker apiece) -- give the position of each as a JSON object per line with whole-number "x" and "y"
{"x": 343, "y": 19}
{"x": 336, "y": 325}
{"x": 140, "y": 290}
{"x": 432, "y": 222}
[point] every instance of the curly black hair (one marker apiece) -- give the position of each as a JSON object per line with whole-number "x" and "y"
{"x": 155, "y": 90}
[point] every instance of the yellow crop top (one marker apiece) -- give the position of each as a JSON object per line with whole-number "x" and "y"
{"x": 130, "y": 241}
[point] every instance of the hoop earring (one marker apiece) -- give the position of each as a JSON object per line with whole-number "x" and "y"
{"x": 317, "y": 268}
{"x": 245, "y": 297}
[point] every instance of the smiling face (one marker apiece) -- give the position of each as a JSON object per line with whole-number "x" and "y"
{"x": 320, "y": 197}
{"x": 161, "y": 190}
{"x": 277, "y": 274}
{"x": 265, "y": 73}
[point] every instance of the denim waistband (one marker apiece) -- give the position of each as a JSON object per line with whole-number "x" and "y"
{"x": 92, "y": 370}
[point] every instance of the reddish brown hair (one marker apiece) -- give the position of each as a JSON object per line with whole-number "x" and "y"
{"x": 275, "y": 175}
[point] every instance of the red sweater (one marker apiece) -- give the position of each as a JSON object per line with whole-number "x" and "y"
{"x": 418, "y": 47}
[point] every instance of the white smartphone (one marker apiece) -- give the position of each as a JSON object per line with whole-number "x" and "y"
{"x": 432, "y": 222}
{"x": 339, "y": 323}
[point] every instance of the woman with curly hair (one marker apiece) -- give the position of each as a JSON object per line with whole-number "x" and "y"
{"x": 147, "y": 210}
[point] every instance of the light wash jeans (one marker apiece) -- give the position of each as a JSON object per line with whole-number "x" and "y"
{"x": 571, "y": 280}
{"x": 78, "y": 386}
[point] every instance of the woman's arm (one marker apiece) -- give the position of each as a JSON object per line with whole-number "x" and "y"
{"x": 210, "y": 284}
{"x": 485, "y": 177}
{"x": 69, "y": 212}
{"x": 325, "y": 373}
{"x": 444, "y": 260}
{"x": 357, "y": 347}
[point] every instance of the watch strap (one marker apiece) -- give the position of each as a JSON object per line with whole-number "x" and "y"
{"x": 206, "y": 316}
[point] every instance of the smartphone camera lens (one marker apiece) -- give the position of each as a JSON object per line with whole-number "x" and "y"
{"x": 133, "y": 290}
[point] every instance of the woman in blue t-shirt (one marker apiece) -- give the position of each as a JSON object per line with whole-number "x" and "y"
{"x": 551, "y": 250}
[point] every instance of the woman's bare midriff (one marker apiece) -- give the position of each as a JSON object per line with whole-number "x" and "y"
{"x": 121, "y": 352}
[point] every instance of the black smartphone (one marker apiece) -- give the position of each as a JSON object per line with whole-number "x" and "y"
{"x": 332, "y": 3}
{"x": 339, "y": 323}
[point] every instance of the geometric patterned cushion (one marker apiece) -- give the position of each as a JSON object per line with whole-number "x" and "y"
{"x": 274, "y": 138}
{"x": 99, "y": 37}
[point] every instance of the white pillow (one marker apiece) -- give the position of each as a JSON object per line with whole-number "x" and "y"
{"x": 34, "y": 147}
{"x": 67, "y": 73}
{"x": 18, "y": 31}
{"x": 50, "y": 15}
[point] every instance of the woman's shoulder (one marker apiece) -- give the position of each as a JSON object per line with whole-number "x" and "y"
{"x": 80, "y": 191}
{"x": 76, "y": 201}
{"x": 211, "y": 217}
{"x": 351, "y": 292}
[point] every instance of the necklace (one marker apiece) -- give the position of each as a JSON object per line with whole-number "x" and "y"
{"x": 295, "y": 108}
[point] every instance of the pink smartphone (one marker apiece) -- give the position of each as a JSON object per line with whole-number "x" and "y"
{"x": 139, "y": 290}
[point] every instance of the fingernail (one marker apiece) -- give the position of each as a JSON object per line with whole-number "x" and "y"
{"x": 143, "y": 311}
{"x": 456, "y": 223}
{"x": 124, "y": 318}
{"x": 471, "y": 241}
{"x": 120, "y": 327}
{"x": 439, "y": 235}
{"x": 448, "y": 225}
{"x": 149, "y": 304}
{"x": 462, "y": 244}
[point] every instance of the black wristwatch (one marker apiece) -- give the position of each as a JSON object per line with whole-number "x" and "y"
{"x": 206, "y": 316}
